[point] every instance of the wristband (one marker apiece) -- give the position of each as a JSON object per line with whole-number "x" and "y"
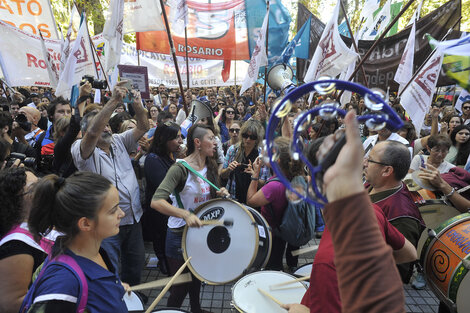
{"x": 450, "y": 193}
{"x": 254, "y": 178}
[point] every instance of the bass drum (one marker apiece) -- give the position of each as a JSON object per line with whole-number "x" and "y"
{"x": 247, "y": 298}
{"x": 443, "y": 268}
{"x": 434, "y": 213}
{"x": 222, "y": 254}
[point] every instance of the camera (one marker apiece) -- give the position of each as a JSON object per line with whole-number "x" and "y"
{"x": 28, "y": 162}
{"x": 23, "y": 122}
{"x": 96, "y": 84}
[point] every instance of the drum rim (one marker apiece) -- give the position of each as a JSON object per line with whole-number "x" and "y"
{"x": 185, "y": 231}
{"x": 257, "y": 272}
{"x": 270, "y": 244}
{"x": 458, "y": 219}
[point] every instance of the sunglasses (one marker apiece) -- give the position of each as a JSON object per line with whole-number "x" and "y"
{"x": 230, "y": 112}
{"x": 252, "y": 137}
{"x": 234, "y": 130}
{"x": 466, "y": 108}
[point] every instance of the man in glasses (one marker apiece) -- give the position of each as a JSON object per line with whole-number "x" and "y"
{"x": 384, "y": 168}
{"x": 466, "y": 112}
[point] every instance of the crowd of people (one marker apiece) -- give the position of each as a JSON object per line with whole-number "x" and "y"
{"x": 92, "y": 181}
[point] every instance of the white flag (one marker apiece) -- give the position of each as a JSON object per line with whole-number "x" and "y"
{"x": 346, "y": 97}
{"x": 415, "y": 16}
{"x": 79, "y": 63}
{"x": 258, "y": 57}
{"x": 464, "y": 96}
{"x": 405, "y": 68}
{"x": 381, "y": 21}
{"x": 417, "y": 97}
{"x": 178, "y": 15}
{"x": 332, "y": 55}
{"x": 22, "y": 58}
{"x": 65, "y": 45}
{"x": 50, "y": 65}
{"x": 369, "y": 8}
{"x": 142, "y": 15}
{"x": 113, "y": 33}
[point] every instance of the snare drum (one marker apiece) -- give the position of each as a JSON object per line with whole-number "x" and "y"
{"x": 133, "y": 302}
{"x": 304, "y": 270}
{"x": 222, "y": 254}
{"x": 443, "y": 268}
{"x": 434, "y": 213}
{"x": 247, "y": 298}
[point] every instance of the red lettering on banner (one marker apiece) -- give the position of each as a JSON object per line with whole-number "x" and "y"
{"x": 31, "y": 59}
{"x": 18, "y": 6}
{"x": 423, "y": 78}
{"x": 30, "y": 10}
{"x": 5, "y": 6}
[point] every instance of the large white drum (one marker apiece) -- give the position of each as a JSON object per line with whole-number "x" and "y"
{"x": 222, "y": 254}
{"x": 247, "y": 298}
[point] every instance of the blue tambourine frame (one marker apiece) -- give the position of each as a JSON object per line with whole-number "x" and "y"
{"x": 386, "y": 114}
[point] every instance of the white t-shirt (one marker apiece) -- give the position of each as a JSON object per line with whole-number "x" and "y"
{"x": 195, "y": 192}
{"x": 421, "y": 159}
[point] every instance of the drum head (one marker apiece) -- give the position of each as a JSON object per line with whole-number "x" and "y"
{"x": 133, "y": 302}
{"x": 221, "y": 254}
{"x": 171, "y": 310}
{"x": 247, "y": 298}
{"x": 304, "y": 270}
{"x": 434, "y": 213}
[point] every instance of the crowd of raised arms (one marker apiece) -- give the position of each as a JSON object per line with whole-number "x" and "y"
{"x": 84, "y": 184}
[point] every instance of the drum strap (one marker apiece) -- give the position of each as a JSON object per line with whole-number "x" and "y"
{"x": 185, "y": 164}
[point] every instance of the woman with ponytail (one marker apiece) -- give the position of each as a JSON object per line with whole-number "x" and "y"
{"x": 273, "y": 201}
{"x": 186, "y": 191}
{"x": 84, "y": 208}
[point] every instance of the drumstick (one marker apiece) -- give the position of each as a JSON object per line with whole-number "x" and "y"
{"x": 270, "y": 297}
{"x": 184, "y": 278}
{"x": 304, "y": 250}
{"x": 272, "y": 287}
{"x": 162, "y": 293}
{"x": 227, "y": 222}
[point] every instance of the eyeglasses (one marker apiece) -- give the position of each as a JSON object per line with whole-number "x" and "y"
{"x": 441, "y": 151}
{"x": 234, "y": 130}
{"x": 377, "y": 162}
{"x": 230, "y": 112}
{"x": 252, "y": 137}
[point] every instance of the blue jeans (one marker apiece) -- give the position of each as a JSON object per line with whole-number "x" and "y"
{"x": 126, "y": 252}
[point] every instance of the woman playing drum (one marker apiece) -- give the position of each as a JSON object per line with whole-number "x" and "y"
{"x": 187, "y": 192}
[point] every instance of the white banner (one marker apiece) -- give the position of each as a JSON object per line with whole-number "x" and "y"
{"x": 417, "y": 97}
{"x": 332, "y": 55}
{"x": 142, "y": 15}
{"x": 22, "y": 58}
{"x": 113, "y": 33}
{"x": 203, "y": 73}
{"x": 30, "y": 15}
{"x": 405, "y": 68}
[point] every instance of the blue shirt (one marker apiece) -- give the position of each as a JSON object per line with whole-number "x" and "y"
{"x": 105, "y": 292}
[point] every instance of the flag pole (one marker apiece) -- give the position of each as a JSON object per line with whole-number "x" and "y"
{"x": 186, "y": 50}
{"x": 173, "y": 53}
{"x": 382, "y": 36}
{"x": 266, "y": 66}
{"x": 138, "y": 56}
{"x": 429, "y": 56}
{"x": 235, "y": 78}
{"x": 354, "y": 41}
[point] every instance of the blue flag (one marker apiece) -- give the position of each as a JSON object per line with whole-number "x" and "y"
{"x": 303, "y": 42}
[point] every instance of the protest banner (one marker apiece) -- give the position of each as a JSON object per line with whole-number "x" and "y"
{"x": 204, "y": 73}
{"x": 382, "y": 65}
{"x": 139, "y": 77}
{"x": 30, "y": 15}
{"x": 223, "y": 30}
{"x": 22, "y": 57}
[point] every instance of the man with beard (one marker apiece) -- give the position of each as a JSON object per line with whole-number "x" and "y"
{"x": 107, "y": 154}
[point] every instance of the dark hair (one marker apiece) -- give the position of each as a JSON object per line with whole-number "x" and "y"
{"x": 6, "y": 120}
{"x": 450, "y": 116}
{"x": 255, "y": 128}
{"x": 12, "y": 182}
{"x": 312, "y": 150}
{"x": 53, "y": 105}
{"x": 59, "y": 203}
{"x": 117, "y": 119}
{"x": 439, "y": 141}
{"x": 164, "y": 115}
{"x": 4, "y": 150}
{"x": 224, "y": 116}
{"x": 163, "y": 133}
{"x": 199, "y": 131}
{"x": 289, "y": 166}
{"x": 397, "y": 156}
{"x": 464, "y": 149}
{"x": 410, "y": 132}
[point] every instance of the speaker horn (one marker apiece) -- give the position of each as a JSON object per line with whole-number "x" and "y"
{"x": 280, "y": 77}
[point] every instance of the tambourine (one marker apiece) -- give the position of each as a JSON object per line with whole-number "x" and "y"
{"x": 380, "y": 116}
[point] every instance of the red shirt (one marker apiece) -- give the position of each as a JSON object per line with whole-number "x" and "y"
{"x": 323, "y": 293}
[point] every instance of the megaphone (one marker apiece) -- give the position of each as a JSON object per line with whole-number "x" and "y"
{"x": 199, "y": 110}
{"x": 280, "y": 77}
